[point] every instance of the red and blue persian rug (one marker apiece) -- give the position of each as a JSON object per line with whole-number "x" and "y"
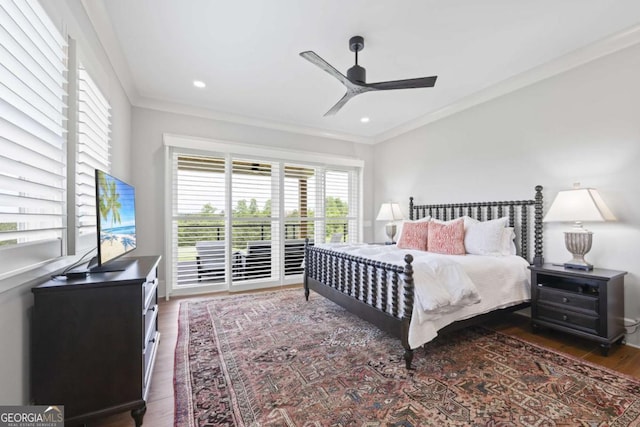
{"x": 273, "y": 359}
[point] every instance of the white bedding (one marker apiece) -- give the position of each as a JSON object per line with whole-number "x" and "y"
{"x": 452, "y": 287}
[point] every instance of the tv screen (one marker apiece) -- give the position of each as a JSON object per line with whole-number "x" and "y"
{"x": 116, "y": 217}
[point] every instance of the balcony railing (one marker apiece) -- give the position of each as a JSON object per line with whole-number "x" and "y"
{"x": 201, "y": 250}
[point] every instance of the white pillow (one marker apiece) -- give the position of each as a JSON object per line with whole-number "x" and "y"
{"x": 467, "y": 220}
{"x": 508, "y": 245}
{"x": 399, "y": 228}
{"x": 485, "y": 237}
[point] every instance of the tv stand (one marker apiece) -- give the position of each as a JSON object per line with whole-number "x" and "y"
{"x": 94, "y": 342}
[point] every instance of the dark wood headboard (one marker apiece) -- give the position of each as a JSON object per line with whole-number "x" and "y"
{"x": 518, "y": 212}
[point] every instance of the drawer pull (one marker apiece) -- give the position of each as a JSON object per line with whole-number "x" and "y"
{"x": 564, "y": 317}
{"x": 152, "y": 340}
{"x": 153, "y": 308}
{"x": 565, "y": 299}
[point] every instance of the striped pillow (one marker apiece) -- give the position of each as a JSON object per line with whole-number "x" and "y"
{"x": 446, "y": 238}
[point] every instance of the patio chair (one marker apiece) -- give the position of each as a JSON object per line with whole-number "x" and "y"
{"x": 210, "y": 259}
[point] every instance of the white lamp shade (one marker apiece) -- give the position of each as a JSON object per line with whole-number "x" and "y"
{"x": 389, "y": 212}
{"x": 580, "y": 204}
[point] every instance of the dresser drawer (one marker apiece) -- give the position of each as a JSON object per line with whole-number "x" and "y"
{"x": 149, "y": 356}
{"x": 150, "y": 320}
{"x": 150, "y": 293}
{"x": 570, "y": 319}
{"x": 150, "y": 325}
{"x": 585, "y": 303}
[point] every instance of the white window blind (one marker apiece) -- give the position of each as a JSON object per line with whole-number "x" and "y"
{"x": 300, "y": 209}
{"x": 341, "y": 205}
{"x": 32, "y": 130}
{"x": 93, "y": 148}
{"x": 198, "y": 222}
{"x": 255, "y": 226}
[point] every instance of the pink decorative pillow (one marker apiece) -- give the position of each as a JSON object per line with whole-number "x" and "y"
{"x": 414, "y": 236}
{"x": 446, "y": 238}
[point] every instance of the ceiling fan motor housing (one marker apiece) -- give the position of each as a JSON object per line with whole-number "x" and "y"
{"x": 357, "y": 74}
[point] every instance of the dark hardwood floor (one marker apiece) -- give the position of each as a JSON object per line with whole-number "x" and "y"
{"x": 622, "y": 358}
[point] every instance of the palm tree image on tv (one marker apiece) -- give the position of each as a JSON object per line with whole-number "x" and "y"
{"x": 116, "y": 207}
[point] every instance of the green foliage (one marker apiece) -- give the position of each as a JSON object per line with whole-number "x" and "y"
{"x": 8, "y": 226}
{"x": 191, "y": 231}
{"x": 336, "y": 208}
{"x": 208, "y": 209}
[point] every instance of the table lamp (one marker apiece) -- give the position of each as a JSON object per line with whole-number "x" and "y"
{"x": 390, "y": 212}
{"x": 578, "y": 205}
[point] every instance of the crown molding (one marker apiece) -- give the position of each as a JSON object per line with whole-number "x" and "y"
{"x": 574, "y": 59}
{"x": 170, "y": 107}
{"x": 97, "y": 13}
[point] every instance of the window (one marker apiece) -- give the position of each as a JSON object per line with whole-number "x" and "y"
{"x": 255, "y": 229}
{"x": 32, "y": 130}
{"x": 198, "y": 223}
{"x": 93, "y": 144}
{"x": 241, "y": 221}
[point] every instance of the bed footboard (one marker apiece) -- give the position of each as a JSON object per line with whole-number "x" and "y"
{"x": 378, "y": 292}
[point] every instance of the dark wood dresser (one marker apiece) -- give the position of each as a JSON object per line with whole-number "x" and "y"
{"x": 589, "y": 304}
{"x": 94, "y": 342}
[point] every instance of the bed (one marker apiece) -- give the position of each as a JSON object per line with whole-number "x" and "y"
{"x": 380, "y": 289}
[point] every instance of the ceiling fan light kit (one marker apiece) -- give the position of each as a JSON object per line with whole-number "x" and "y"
{"x": 356, "y": 79}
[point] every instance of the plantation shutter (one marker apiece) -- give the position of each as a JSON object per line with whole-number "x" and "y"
{"x": 198, "y": 223}
{"x": 255, "y": 226}
{"x": 94, "y": 141}
{"x": 32, "y": 130}
{"x": 300, "y": 208}
{"x": 341, "y": 205}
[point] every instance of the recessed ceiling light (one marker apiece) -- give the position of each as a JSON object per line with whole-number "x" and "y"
{"x": 365, "y": 120}
{"x": 199, "y": 84}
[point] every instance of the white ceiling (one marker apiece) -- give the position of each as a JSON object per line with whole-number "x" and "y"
{"x": 247, "y": 52}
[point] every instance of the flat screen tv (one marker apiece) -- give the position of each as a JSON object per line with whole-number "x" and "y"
{"x": 116, "y": 222}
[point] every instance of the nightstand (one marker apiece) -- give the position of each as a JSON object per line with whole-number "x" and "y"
{"x": 589, "y": 304}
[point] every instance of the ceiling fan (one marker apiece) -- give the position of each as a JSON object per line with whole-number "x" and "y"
{"x": 355, "y": 80}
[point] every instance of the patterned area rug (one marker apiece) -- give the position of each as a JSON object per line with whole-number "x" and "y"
{"x": 273, "y": 359}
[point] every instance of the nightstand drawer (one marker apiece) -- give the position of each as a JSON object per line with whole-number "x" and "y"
{"x": 569, "y": 319}
{"x": 585, "y": 303}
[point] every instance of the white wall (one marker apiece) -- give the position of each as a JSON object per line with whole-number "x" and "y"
{"x": 147, "y": 154}
{"x": 580, "y": 126}
{"x": 15, "y": 305}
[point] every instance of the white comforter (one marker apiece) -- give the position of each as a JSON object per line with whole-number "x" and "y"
{"x": 452, "y": 287}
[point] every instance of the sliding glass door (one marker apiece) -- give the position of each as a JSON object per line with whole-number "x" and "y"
{"x": 241, "y": 222}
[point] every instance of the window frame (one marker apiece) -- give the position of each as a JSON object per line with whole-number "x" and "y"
{"x": 185, "y": 145}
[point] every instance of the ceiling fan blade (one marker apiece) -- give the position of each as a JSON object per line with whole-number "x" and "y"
{"x": 316, "y": 60}
{"x": 404, "y": 84}
{"x": 347, "y": 96}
